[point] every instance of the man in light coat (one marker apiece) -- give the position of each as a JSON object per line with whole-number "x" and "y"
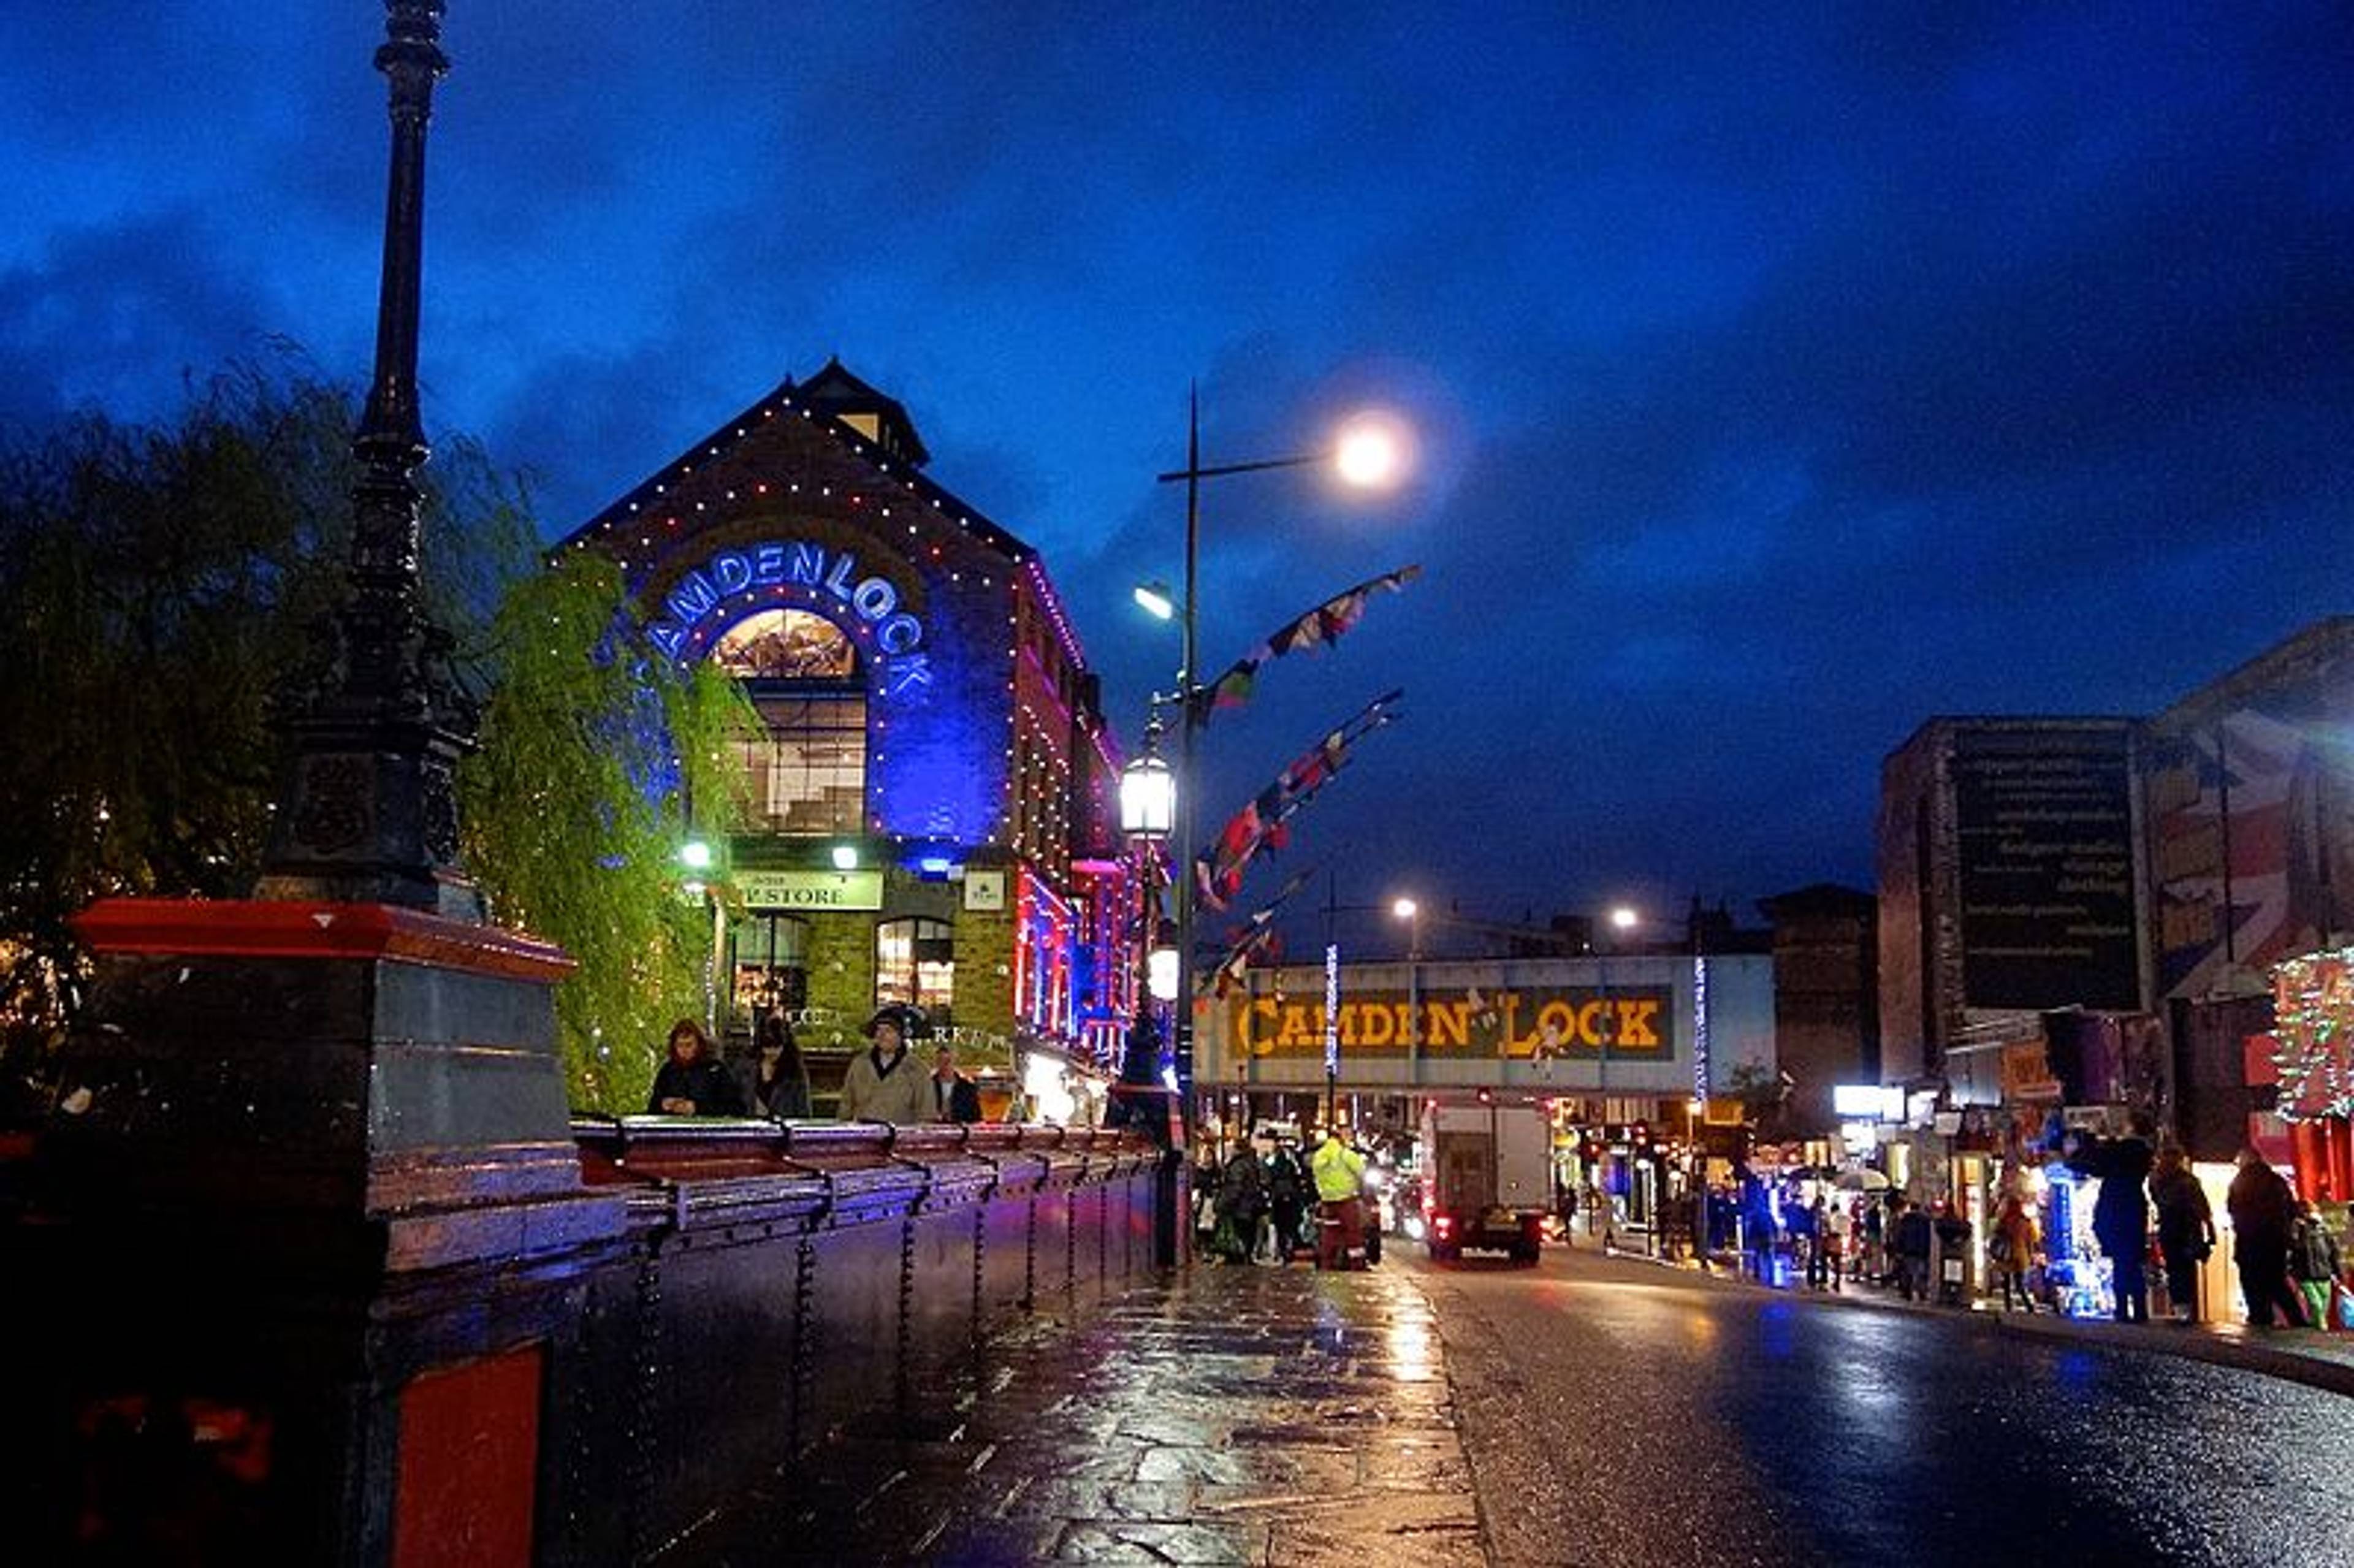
{"x": 884, "y": 1083}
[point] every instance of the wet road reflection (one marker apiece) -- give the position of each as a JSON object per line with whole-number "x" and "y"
{"x": 1618, "y": 1412}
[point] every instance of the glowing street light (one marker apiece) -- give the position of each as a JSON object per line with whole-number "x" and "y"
{"x": 1157, "y": 601}
{"x": 1371, "y": 449}
{"x": 1407, "y": 910}
{"x": 1372, "y": 452}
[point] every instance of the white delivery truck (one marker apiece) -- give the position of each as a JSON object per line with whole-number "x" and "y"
{"x": 1487, "y": 1177}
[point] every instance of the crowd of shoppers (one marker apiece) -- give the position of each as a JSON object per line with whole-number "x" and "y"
{"x": 1269, "y": 1202}
{"x": 2150, "y": 1214}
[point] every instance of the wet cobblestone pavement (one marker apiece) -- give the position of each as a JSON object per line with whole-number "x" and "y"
{"x": 1236, "y": 1415}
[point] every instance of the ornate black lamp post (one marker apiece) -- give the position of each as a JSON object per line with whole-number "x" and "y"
{"x": 368, "y": 812}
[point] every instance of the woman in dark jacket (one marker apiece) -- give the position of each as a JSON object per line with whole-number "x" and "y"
{"x": 2186, "y": 1230}
{"x": 2121, "y": 1212}
{"x": 691, "y": 1081}
{"x": 779, "y": 1080}
{"x": 2263, "y": 1216}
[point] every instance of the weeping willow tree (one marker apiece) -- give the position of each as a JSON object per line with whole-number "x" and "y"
{"x": 161, "y": 585}
{"x": 575, "y": 808}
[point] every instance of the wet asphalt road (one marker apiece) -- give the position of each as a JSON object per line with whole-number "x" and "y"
{"x": 1614, "y": 1412}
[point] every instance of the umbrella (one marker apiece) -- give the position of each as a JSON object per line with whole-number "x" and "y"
{"x": 1861, "y": 1180}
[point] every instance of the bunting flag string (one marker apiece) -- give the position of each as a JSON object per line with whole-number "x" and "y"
{"x": 1217, "y": 870}
{"x": 1257, "y": 935}
{"x": 1323, "y": 624}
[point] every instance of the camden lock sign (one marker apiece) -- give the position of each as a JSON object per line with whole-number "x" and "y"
{"x": 700, "y": 592}
{"x": 1535, "y": 1022}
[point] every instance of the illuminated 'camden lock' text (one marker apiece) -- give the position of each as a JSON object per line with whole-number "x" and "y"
{"x": 1504, "y": 1023}
{"x": 698, "y": 594}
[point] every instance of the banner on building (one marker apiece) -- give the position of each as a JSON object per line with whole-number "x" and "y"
{"x": 1580, "y": 1024}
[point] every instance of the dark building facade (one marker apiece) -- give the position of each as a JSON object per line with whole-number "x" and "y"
{"x": 1826, "y": 997}
{"x": 2248, "y": 789}
{"x": 933, "y": 786}
{"x": 2099, "y": 912}
{"x": 2008, "y": 880}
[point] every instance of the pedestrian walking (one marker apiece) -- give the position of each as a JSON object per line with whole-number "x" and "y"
{"x": 1834, "y": 1231}
{"x": 955, "y": 1097}
{"x": 1909, "y": 1241}
{"x": 1242, "y": 1204}
{"x": 1340, "y": 1173}
{"x": 2264, "y": 1212}
{"x": 1763, "y": 1230}
{"x": 2186, "y": 1231}
{"x": 882, "y": 1082}
{"x": 1807, "y": 1239}
{"x": 2121, "y": 1212}
{"x": 2010, "y": 1251}
{"x": 2312, "y": 1261}
{"x": 1287, "y": 1200}
{"x": 691, "y": 1081}
{"x": 779, "y": 1081}
{"x": 1875, "y": 1263}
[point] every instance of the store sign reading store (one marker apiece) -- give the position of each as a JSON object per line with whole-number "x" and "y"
{"x": 697, "y": 596}
{"x": 1634, "y": 1022}
{"x": 809, "y": 889}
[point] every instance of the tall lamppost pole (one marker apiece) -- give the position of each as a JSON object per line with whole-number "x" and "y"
{"x": 369, "y": 811}
{"x": 1367, "y": 455}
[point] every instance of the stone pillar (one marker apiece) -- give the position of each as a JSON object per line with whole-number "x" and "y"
{"x": 312, "y": 1239}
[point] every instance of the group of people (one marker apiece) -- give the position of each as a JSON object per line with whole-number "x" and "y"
{"x": 882, "y": 1082}
{"x": 1260, "y": 1205}
{"x": 2286, "y": 1258}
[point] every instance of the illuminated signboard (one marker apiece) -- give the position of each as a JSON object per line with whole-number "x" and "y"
{"x": 693, "y": 605}
{"x": 809, "y": 889}
{"x": 1536, "y": 1022}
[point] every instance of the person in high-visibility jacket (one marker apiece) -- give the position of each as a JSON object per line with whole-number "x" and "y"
{"x": 1340, "y": 1173}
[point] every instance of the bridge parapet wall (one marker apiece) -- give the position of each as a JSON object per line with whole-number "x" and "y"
{"x": 394, "y": 1348}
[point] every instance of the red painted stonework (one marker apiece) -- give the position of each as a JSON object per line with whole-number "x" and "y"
{"x": 262, "y": 928}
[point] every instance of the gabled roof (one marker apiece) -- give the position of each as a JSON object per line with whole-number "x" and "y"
{"x": 830, "y": 395}
{"x": 834, "y": 390}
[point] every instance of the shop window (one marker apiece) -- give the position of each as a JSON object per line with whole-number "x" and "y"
{"x": 769, "y": 960}
{"x": 914, "y": 960}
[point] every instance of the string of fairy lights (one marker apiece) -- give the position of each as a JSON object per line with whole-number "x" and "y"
{"x": 640, "y": 532}
{"x": 2313, "y": 1028}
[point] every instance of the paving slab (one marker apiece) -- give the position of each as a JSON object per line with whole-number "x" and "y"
{"x": 1226, "y": 1415}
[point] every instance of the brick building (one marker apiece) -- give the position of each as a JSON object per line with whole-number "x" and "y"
{"x": 934, "y": 786}
{"x": 1826, "y": 997}
{"x": 2007, "y": 882}
{"x": 2096, "y": 911}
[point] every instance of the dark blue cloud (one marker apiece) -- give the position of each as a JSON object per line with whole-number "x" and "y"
{"x": 1783, "y": 379}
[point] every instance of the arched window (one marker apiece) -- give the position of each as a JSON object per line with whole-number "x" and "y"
{"x": 914, "y": 960}
{"x": 808, "y": 764}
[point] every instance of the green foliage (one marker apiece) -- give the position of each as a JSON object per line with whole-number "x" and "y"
{"x": 574, "y": 816}
{"x": 159, "y": 589}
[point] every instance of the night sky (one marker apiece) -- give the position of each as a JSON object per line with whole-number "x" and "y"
{"x": 1781, "y": 381}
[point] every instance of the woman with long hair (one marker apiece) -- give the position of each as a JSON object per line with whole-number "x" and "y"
{"x": 779, "y": 1080}
{"x": 691, "y": 1082}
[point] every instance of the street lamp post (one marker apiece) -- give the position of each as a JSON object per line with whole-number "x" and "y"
{"x": 1367, "y": 455}
{"x": 1148, "y": 799}
{"x": 1147, "y": 803}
